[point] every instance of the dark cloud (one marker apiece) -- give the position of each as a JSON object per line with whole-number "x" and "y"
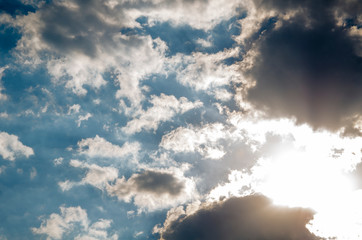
{"x": 158, "y": 183}
{"x": 76, "y": 28}
{"x": 310, "y": 67}
{"x": 251, "y": 217}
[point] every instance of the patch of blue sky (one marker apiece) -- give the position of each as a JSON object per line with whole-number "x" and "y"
{"x": 222, "y": 35}
{"x": 9, "y": 37}
{"x": 16, "y": 7}
{"x": 24, "y": 200}
{"x": 168, "y": 85}
{"x": 185, "y": 39}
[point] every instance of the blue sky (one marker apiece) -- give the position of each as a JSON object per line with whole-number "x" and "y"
{"x": 135, "y": 120}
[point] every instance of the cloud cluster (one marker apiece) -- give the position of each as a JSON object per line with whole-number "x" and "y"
{"x": 80, "y": 41}
{"x": 72, "y": 220}
{"x": 203, "y": 71}
{"x": 11, "y": 147}
{"x": 99, "y": 147}
{"x": 155, "y": 189}
{"x": 149, "y": 190}
{"x": 164, "y": 107}
{"x": 204, "y": 140}
{"x": 253, "y": 217}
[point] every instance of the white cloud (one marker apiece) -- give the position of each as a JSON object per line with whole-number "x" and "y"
{"x": 204, "y": 43}
{"x": 11, "y": 147}
{"x": 57, "y": 224}
{"x": 222, "y": 95}
{"x": 96, "y": 176}
{"x": 164, "y": 108}
{"x": 198, "y": 14}
{"x": 83, "y": 118}
{"x": 4, "y": 115}
{"x": 74, "y": 219}
{"x": 98, "y": 231}
{"x": 58, "y": 161}
{"x": 205, "y": 71}
{"x": 204, "y": 140}
{"x": 99, "y": 147}
{"x": 73, "y": 109}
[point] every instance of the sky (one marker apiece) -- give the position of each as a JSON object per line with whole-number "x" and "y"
{"x": 184, "y": 119}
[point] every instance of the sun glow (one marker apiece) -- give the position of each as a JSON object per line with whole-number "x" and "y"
{"x": 299, "y": 179}
{"x": 308, "y": 179}
{"x": 300, "y": 167}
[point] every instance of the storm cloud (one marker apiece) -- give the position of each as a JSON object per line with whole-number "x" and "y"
{"x": 309, "y": 66}
{"x": 251, "y": 217}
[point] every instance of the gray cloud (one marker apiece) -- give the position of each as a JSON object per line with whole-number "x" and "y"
{"x": 158, "y": 182}
{"x": 154, "y": 189}
{"x": 309, "y": 66}
{"x": 251, "y": 217}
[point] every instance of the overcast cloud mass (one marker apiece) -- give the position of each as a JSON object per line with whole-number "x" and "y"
{"x": 184, "y": 119}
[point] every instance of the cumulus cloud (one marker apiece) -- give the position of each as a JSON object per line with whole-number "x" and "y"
{"x": 11, "y": 147}
{"x": 155, "y": 189}
{"x": 250, "y": 217}
{"x": 164, "y": 108}
{"x": 57, "y": 224}
{"x": 99, "y": 147}
{"x": 308, "y": 66}
{"x": 96, "y": 176}
{"x": 72, "y": 220}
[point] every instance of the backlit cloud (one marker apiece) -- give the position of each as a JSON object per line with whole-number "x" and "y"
{"x": 252, "y": 217}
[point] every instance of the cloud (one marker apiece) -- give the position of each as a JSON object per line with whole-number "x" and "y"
{"x": 155, "y": 189}
{"x": 250, "y": 217}
{"x": 308, "y": 66}
{"x": 73, "y": 109}
{"x": 58, "y": 161}
{"x": 57, "y": 224}
{"x": 83, "y": 118}
{"x": 205, "y": 71}
{"x": 3, "y": 96}
{"x": 96, "y": 176}
{"x": 164, "y": 108}
{"x": 150, "y": 190}
{"x": 74, "y": 219}
{"x": 11, "y": 147}
{"x": 99, "y": 147}
{"x": 80, "y": 42}
{"x": 204, "y": 140}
